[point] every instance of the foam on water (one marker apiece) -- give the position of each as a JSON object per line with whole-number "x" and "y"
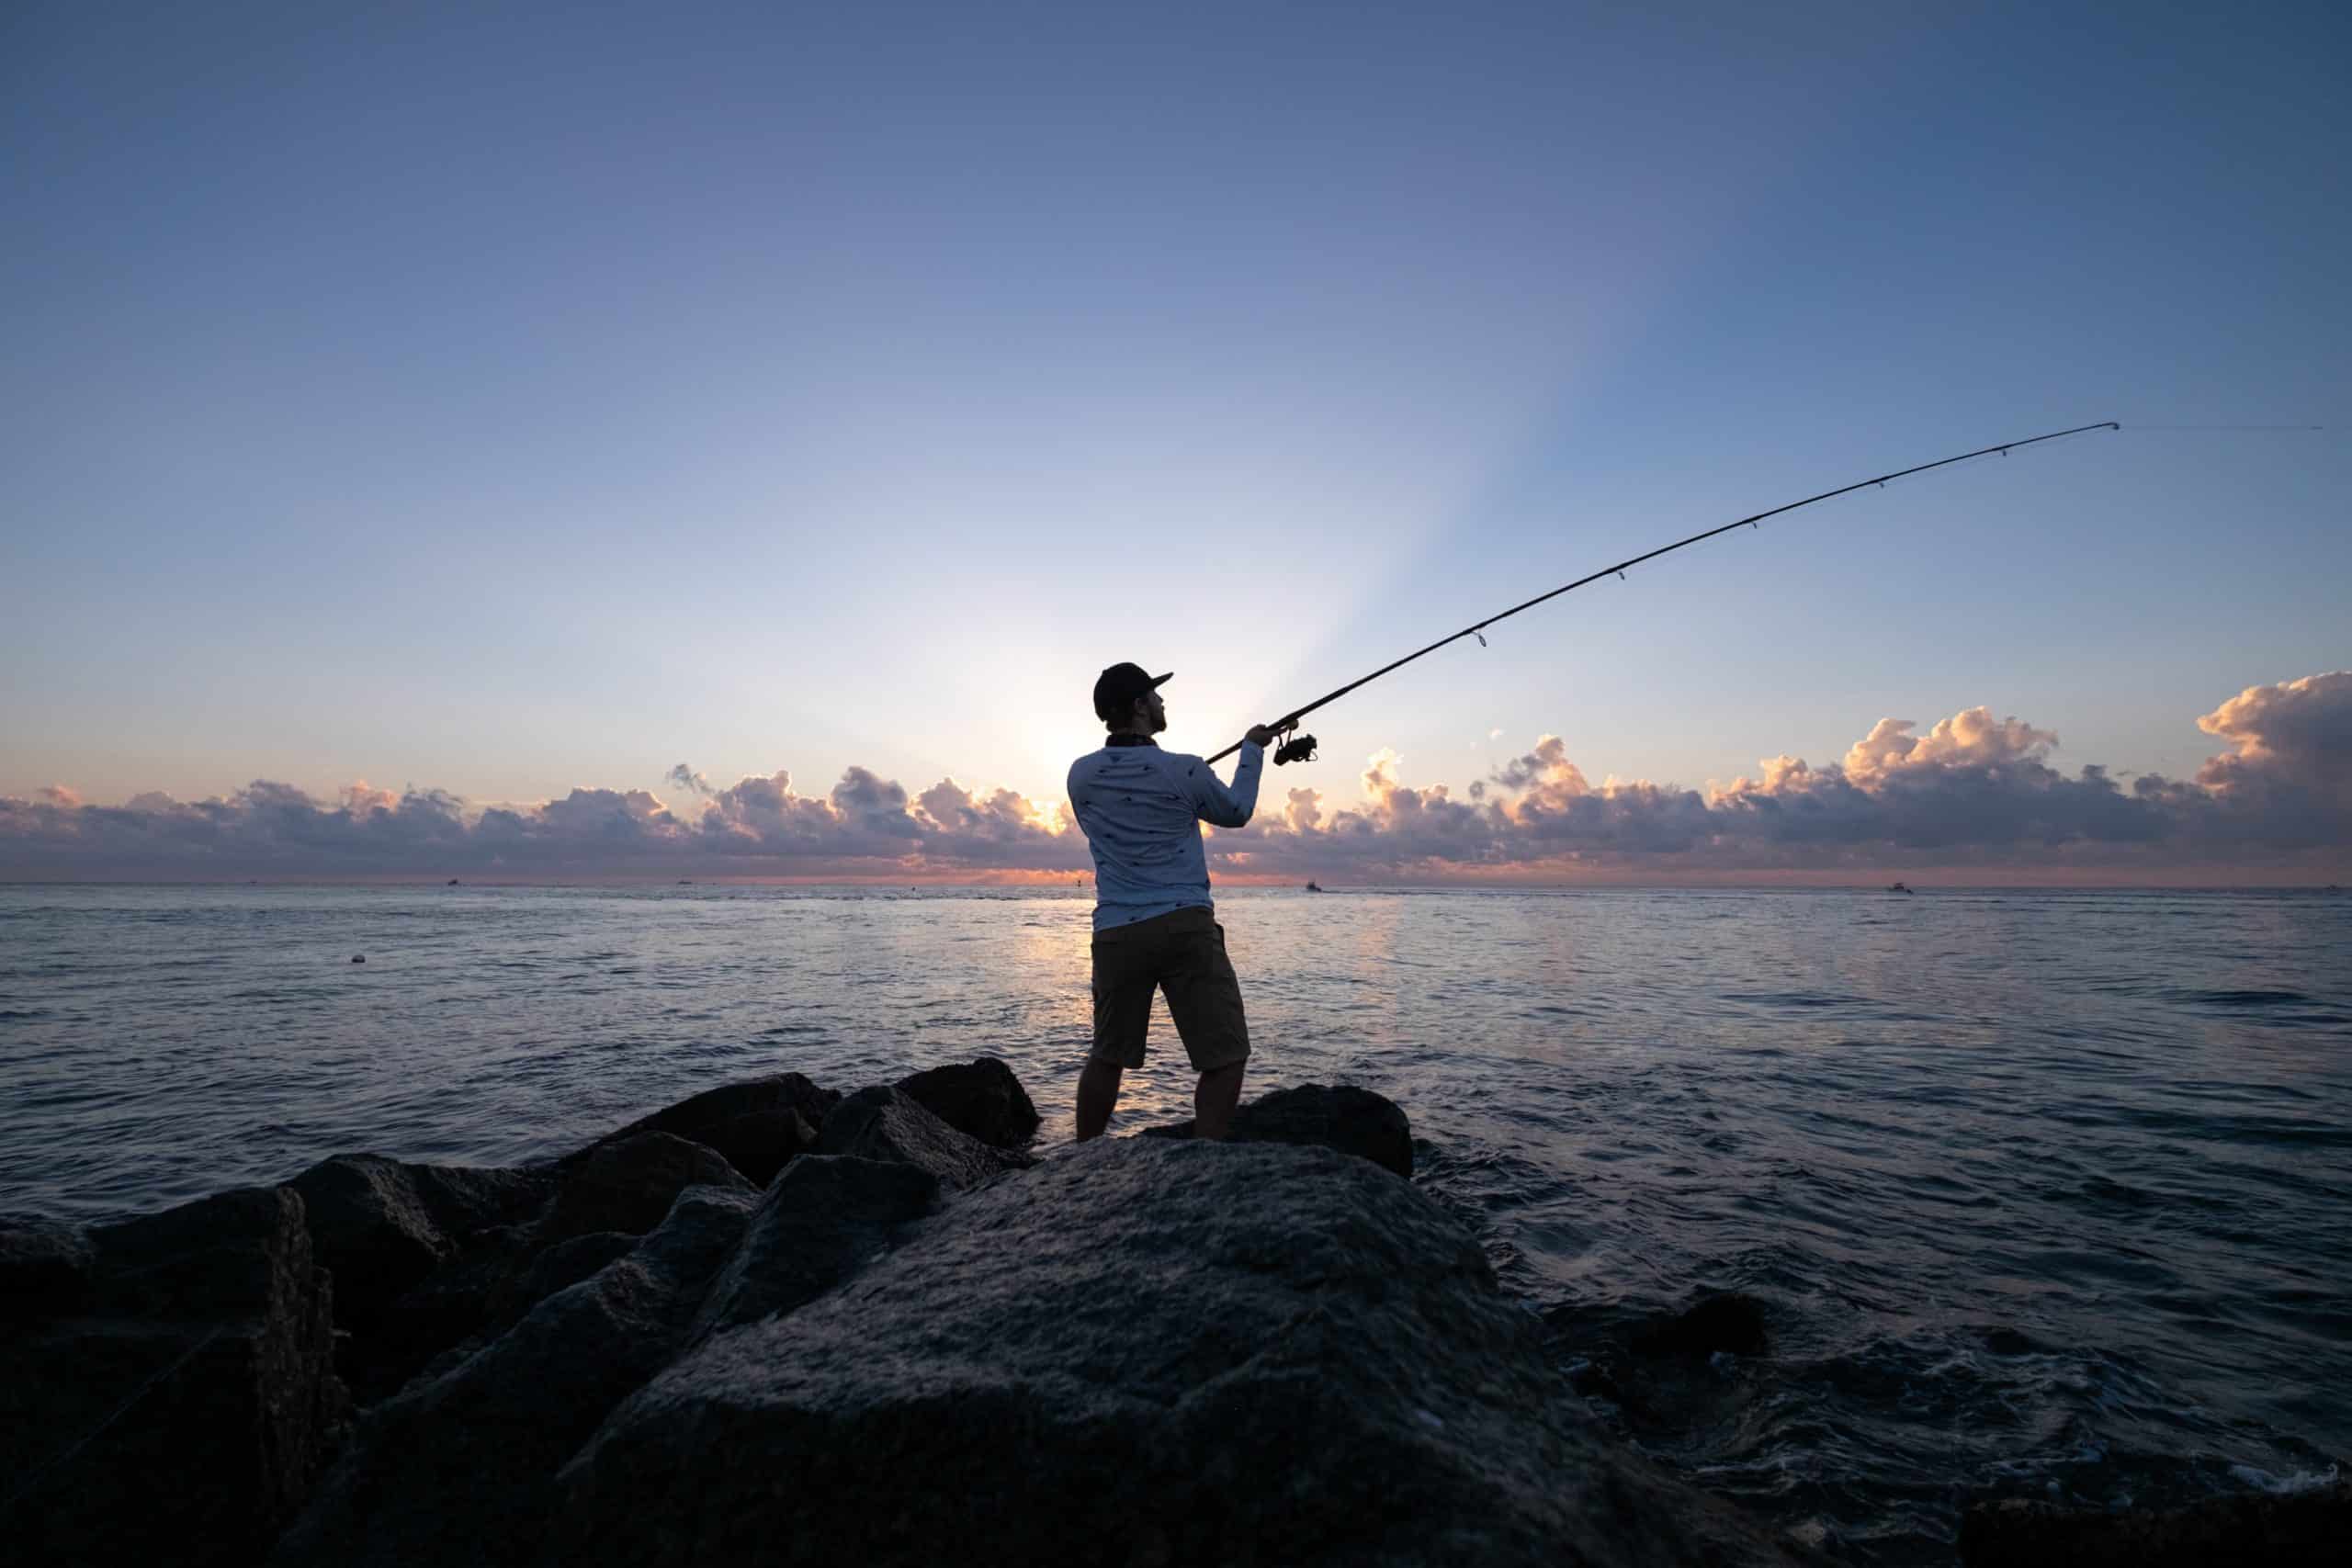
{"x": 2045, "y": 1193}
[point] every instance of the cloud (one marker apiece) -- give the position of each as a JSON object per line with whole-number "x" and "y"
{"x": 2293, "y": 739}
{"x": 1969, "y": 740}
{"x": 1973, "y": 791}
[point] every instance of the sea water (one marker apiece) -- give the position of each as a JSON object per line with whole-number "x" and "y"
{"x": 2038, "y": 1192}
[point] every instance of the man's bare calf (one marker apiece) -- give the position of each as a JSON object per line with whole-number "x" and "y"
{"x": 1098, "y": 1092}
{"x": 1213, "y": 1101}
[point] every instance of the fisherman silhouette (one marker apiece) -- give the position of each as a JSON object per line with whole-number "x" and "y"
{"x": 1155, "y": 925}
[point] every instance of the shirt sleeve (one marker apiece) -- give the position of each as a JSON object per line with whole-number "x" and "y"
{"x": 1214, "y": 803}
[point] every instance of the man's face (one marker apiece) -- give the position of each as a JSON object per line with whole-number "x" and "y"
{"x": 1153, "y": 710}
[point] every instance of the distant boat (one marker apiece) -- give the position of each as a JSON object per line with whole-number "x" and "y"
{"x": 686, "y": 882}
{"x": 452, "y": 881}
{"x": 1896, "y": 888}
{"x": 1313, "y": 888}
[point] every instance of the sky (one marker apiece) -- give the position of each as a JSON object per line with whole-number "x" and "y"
{"x": 443, "y": 423}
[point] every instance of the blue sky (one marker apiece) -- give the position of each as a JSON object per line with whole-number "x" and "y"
{"x": 504, "y": 399}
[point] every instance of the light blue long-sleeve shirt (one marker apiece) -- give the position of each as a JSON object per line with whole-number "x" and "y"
{"x": 1142, "y": 810}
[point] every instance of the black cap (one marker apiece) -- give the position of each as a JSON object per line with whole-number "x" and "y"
{"x": 1116, "y": 689}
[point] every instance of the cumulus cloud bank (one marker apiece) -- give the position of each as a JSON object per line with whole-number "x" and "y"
{"x": 1973, "y": 791}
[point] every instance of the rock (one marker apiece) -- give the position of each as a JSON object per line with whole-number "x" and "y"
{"x": 825, "y": 1217}
{"x": 566, "y": 1263}
{"x": 630, "y": 1184}
{"x": 184, "y": 1414}
{"x": 44, "y": 1267}
{"x": 459, "y": 1469}
{"x": 889, "y": 1124}
{"x": 471, "y": 1299}
{"x": 385, "y": 1229}
{"x": 1352, "y": 1121}
{"x": 761, "y": 1143}
{"x": 466, "y": 1201}
{"x": 757, "y": 1125}
{"x": 1145, "y": 1351}
{"x": 979, "y": 1099}
{"x": 2243, "y": 1531}
{"x": 451, "y": 1304}
{"x": 1670, "y": 1374}
{"x": 1732, "y": 1323}
{"x": 370, "y": 1228}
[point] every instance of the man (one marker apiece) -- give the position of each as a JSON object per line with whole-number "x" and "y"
{"x": 1155, "y": 926}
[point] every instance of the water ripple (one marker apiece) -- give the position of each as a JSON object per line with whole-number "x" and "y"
{"x": 2046, "y": 1192}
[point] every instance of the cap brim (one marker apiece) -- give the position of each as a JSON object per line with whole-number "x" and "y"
{"x": 1158, "y": 681}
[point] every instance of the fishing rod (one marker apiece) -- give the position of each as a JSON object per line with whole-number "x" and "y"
{"x": 1301, "y": 748}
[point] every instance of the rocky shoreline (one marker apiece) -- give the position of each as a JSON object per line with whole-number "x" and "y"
{"x": 779, "y": 1323}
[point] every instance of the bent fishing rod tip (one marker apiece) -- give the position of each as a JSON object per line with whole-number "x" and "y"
{"x": 1303, "y": 746}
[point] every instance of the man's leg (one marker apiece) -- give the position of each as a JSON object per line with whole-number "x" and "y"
{"x": 1213, "y": 1101}
{"x": 1204, "y": 998}
{"x": 1098, "y": 1091}
{"x": 1123, "y": 983}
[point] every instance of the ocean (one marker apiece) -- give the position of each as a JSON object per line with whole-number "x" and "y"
{"x": 2040, "y": 1193}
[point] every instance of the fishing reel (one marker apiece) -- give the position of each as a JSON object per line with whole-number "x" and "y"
{"x": 1298, "y": 749}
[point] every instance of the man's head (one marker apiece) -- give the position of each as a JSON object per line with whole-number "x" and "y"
{"x": 1127, "y": 698}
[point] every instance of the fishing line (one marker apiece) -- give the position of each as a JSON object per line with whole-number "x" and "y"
{"x": 1301, "y": 748}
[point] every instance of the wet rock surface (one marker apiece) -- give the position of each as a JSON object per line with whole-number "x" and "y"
{"x": 1732, "y": 1324}
{"x": 2228, "y": 1533}
{"x": 179, "y": 1409}
{"x": 1143, "y": 1352}
{"x": 824, "y": 1218}
{"x": 458, "y": 1467}
{"x": 980, "y": 1099}
{"x": 629, "y": 1184}
{"x": 756, "y": 1126}
{"x": 912, "y": 1342}
{"x": 384, "y": 1228}
{"x": 44, "y": 1267}
{"x": 1352, "y": 1121}
{"x": 891, "y": 1124}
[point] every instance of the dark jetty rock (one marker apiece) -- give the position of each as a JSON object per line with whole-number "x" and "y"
{"x": 380, "y": 1226}
{"x": 1718, "y": 1323}
{"x": 911, "y": 1342}
{"x": 180, "y": 1406}
{"x": 1670, "y": 1373}
{"x": 757, "y": 1125}
{"x": 826, "y": 1217}
{"x": 443, "y": 1258}
{"x": 385, "y": 1229}
{"x": 2243, "y": 1531}
{"x": 891, "y": 1124}
{"x": 44, "y": 1267}
{"x": 1145, "y": 1351}
{"x": 980, "y": 1098}
{"x": 1353, "y": 1121}
{"x": 628, "y": 1184}
{"x": 458, "y": 1467}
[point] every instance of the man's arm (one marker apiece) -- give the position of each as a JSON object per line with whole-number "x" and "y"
{"x": 1230, "y": 807}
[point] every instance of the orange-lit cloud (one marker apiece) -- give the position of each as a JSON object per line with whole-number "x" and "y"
{"x": 1974, "y": 792}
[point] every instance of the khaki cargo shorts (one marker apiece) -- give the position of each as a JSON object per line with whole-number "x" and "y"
{"x": 1181, "y": 953}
